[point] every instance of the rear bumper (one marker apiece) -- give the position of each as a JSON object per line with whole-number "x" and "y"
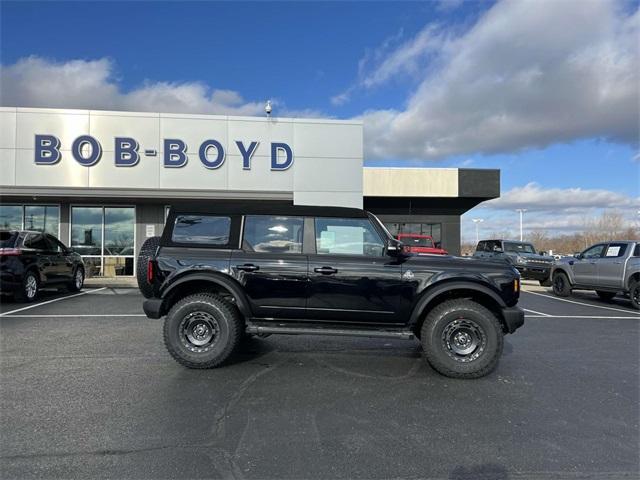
{"x": 513, "y": 318}
{"x": 152, "y": 307}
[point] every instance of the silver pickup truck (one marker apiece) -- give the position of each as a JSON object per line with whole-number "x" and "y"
{"x": 608, "y": 268}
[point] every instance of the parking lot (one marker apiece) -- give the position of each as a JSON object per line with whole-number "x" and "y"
{"x": 88, "y": 391}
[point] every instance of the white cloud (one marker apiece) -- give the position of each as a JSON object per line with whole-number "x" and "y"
{"x": 523, "y": 76}
{"x": 555, "y": 210}
{"x": 91, "y": 84}
{"x": 534, "y": 197}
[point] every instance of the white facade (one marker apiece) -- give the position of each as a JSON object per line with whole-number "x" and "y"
{"x": 326, "y": 156}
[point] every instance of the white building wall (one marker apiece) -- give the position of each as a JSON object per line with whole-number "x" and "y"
{"x": 326, "y": 169}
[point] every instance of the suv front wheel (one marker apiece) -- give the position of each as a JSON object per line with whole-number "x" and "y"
{"x": 202, "y": 330}
{"x": 462, "y": 339}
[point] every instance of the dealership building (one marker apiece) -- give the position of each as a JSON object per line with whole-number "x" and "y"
{"x": 103, "y": 181}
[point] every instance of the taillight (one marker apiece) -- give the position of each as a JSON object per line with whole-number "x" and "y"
{"x": 516, "y": 285}
{"x": 9, "y": 251}
{"x": 150, "y": 271}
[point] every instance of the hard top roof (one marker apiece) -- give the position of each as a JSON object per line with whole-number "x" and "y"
{"x": 248, "y": 207}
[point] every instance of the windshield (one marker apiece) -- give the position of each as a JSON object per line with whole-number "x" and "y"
{"x": 519, "y": 247}
{"x": 417, "y": 241}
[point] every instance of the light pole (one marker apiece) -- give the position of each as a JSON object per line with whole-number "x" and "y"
{"x": 521, "y": 210}
{"x": 477, "y": 221}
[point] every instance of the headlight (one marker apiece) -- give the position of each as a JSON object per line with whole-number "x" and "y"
{"x": 520, "y": 260}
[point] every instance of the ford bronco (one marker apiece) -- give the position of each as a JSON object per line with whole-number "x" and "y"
{"x": 228, "y": 270}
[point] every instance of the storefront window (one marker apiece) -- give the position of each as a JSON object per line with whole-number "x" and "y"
{"x": 119, "y": 225}
{"x": 11, "y": 217}
{"x": 86, "y": 230}
{"x": 105, "y": 236}
{"x": 43, "y": 218}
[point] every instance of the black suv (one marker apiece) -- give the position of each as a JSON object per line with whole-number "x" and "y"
{"x": 225, "y": 271}
{"x": 31, "y": 260}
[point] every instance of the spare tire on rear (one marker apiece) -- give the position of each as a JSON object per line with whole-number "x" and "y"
{"x": 147, "y": 251}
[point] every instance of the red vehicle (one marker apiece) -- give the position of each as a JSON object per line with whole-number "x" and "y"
{"x": 420, "y": 244}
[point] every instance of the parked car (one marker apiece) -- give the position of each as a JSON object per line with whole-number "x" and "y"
{"x": 420, "y": 244}
{"x": 522, "y": 255}
{"x": 223, "y": 270}
{"x": 32, "y": 260}
{"x": 609, "y": 268}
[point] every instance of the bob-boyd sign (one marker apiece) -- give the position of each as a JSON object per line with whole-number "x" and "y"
{"x": 87, "y": 151}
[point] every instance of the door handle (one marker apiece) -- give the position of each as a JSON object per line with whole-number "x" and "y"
{"x": 248, "y": 267}
{"x": 325, "y": 270}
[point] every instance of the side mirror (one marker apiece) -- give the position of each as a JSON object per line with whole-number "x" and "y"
{"x": 578, "y": 256}
{"x": 395, "y": 248}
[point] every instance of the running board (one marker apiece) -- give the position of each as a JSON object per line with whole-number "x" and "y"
{"x": 342, "y": 332}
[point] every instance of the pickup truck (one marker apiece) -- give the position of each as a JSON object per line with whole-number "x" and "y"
{"x": 421, "y": 244}
{"x": 522, "y": 255}
{"x": 609, "y": 268}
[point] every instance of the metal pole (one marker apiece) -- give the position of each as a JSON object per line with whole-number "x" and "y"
{"x": 521, "y": 210}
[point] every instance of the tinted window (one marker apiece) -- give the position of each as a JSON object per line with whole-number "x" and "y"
{"x": 201, "y": 229}
{"x": 493, "y": 246}
{"x": 272, "y": 234}
{"x": 54, "y": 244}
{"x": 482, "y": 246}
{"x": 636, "y": 251}
{"x": 593, "y": 252}
{"x": 519, "y": 247}
{"x": 8, "y": 239}
{"x": 37, "y": 242}
{"x": 355, "y": 236}
{"x": 615, "y": 250}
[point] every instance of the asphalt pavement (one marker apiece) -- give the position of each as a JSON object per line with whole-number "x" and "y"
{"x": 88, "y": 391}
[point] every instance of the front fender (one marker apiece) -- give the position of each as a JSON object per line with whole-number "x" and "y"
{"x": 564, "y": 269}
{"x": 436, "y": 289}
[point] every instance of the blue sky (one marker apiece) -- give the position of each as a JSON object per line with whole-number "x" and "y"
{"x": 441, "y": 84}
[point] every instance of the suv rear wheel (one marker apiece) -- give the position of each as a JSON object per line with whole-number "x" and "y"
{"x": 202, "y": 330}
{"x": 462, "y": 339}
{"x": 29, "y": 289}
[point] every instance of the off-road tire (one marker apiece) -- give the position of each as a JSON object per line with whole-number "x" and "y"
{"x": 72, "y": 286}
{"x": 606, "y": 296}
{"x": 561, "y": 285}
{"x": 440, "y": 356}
{"x": 634, "y": 294}
{"x": 21, "y": 294}
{"x": 147, "y": 250}
{"x": 227, "y": 317}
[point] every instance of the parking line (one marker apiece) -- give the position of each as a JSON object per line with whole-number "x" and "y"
{"x": 80, "y": 315}
{"x": 581, "y": 303}
{"x": 537, "y": 313}
{"x": 51, "y": 301}
{"x": 580, "y": 316}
